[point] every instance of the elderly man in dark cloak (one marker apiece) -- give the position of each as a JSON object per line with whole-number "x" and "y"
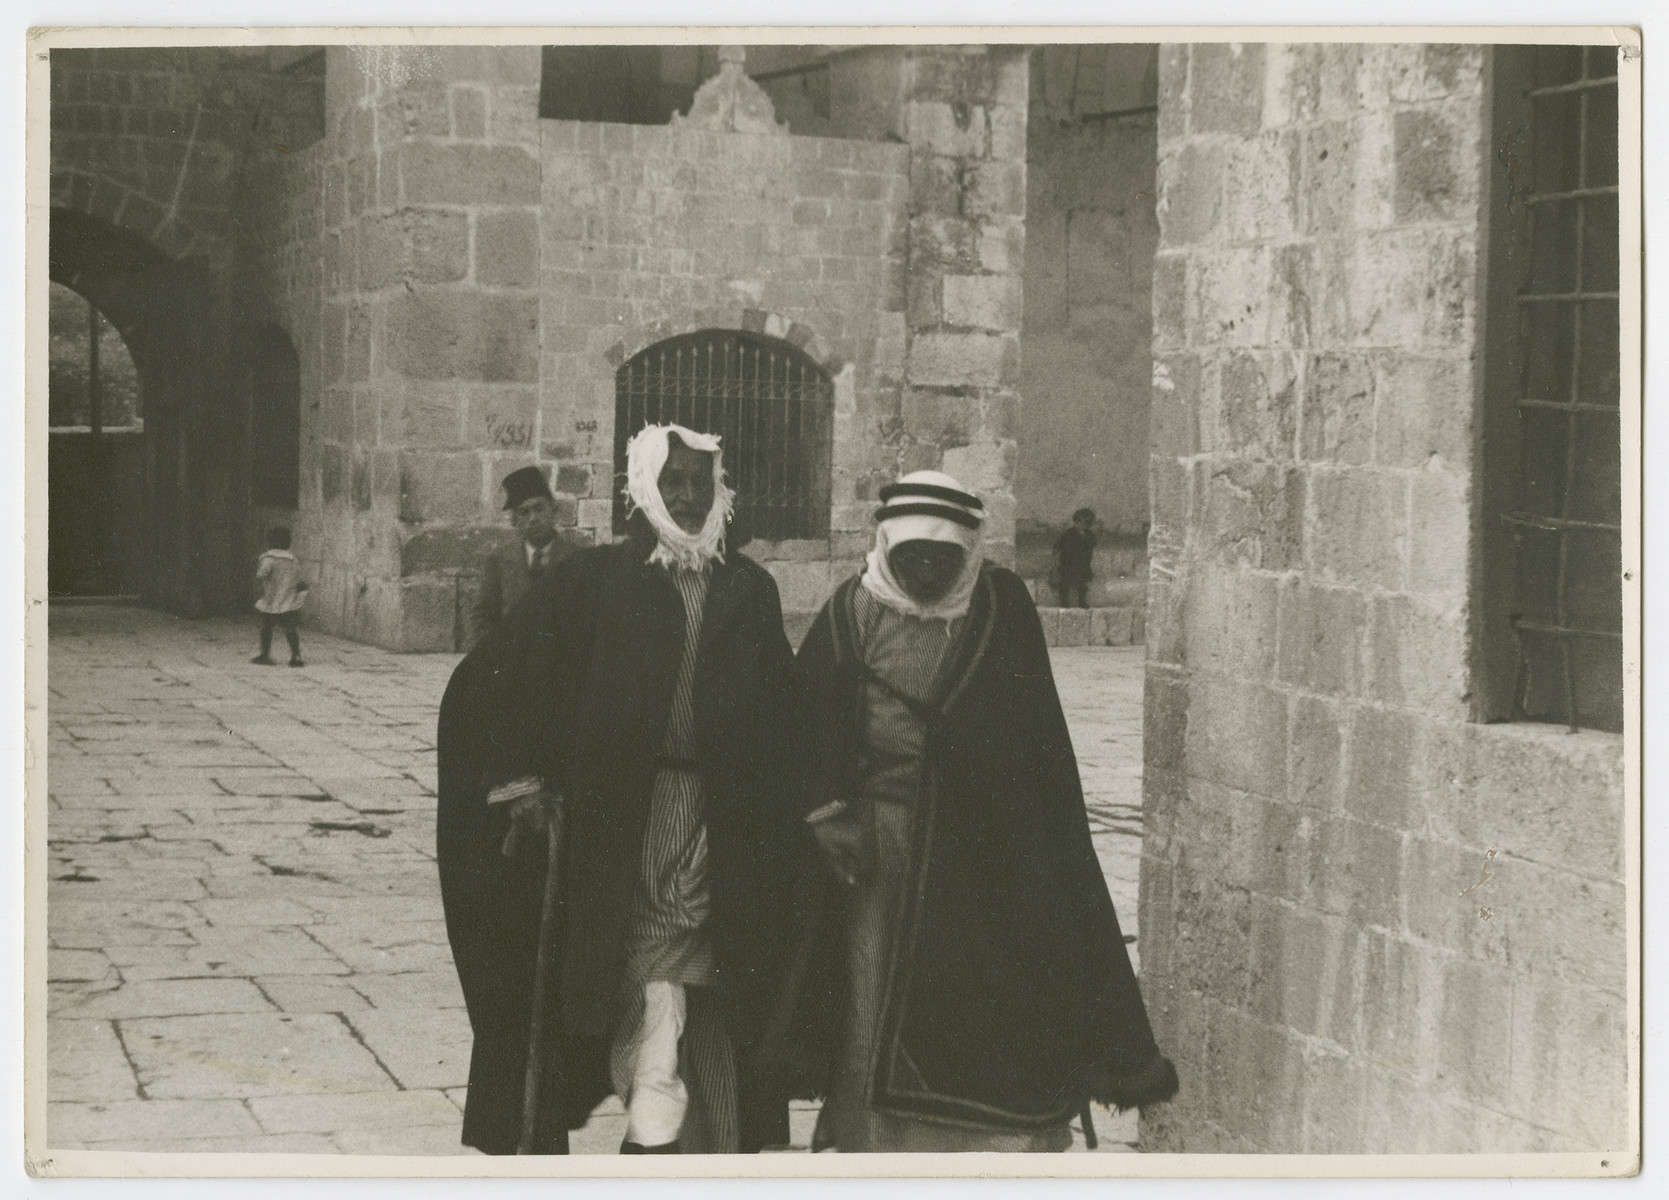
{"x": 644, "y": 688}
{"x": 962, "y": 983}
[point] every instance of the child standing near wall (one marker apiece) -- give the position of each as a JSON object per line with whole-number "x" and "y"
{"x": 1074, "y": 552}
{"x": 282, "y": 592}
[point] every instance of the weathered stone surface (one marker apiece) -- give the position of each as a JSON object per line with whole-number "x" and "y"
{"x": 507, "y": 248}
{"x": 249, "y": 1055}
{"x": 444, "y": 335}
{"x": 463, "y": 173}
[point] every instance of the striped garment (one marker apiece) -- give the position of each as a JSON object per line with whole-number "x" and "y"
{"x": 666, "y": 939}
{"x": 912, "y": 656}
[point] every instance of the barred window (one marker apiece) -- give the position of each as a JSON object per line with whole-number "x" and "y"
{"x": 770, "y": 403}
{"x": 1552, "y": 441}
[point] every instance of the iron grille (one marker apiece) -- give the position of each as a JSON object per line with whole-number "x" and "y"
{"x": 772, "y": 405}
{"x": 1567, "y": 530}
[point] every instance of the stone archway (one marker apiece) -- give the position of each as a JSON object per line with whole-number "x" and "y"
{"x": 153, "y": 301}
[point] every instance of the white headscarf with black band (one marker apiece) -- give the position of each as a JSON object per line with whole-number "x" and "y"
{"x": 646, "y": 454}
{"x": 926, "y": 506}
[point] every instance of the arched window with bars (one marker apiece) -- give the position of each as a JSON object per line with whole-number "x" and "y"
{"x": 770, "y": 403}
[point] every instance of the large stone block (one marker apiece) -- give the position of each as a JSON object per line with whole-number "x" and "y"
{"x": 1354, "y": 869}
{"x": 429, "y": 614}
{"x": 1261, "y": 199}
{"x": 1315, "y": 731}
{"x": 1338, "y": 418}
{"x": 1402, "y": 990}
{"x": 1412, "y": 288}
{"x": 1254, "y": 514}
{"x": 946, "y": 418}
{"x": 439, "y": 487}
{"x": 507, "y": 248}
{"x": 461, "y": 335}
{"x": 1568, "y": 1059}
{"x": 982, "y": 301}
{"x": 955, "y": 130}
{"x": 1190, "y": 194}
{"x": 1165, "y": 722}
{"x": 1307, "y": 970}
{"x": 1174, "y": 414}
{"x": 1474, "y": 1051}
{"x": 1170, "y": 300}
{"x": 1384, "y": 755}
{"x": 1112, "y": 627}
{"x": 1074, "y": 627}
{"x": 1417, "y": 656}
{"x": 1543, "y": 794}
{"x": 419, "y": 415}
{"x": 1436, "y": 163}
{"x": 1230, "y": 617}
{"x": 1237, "y": 735}
{"x": 996, "y": 188}
{"x": 1425, "y": 410}
{"x": 518, "y": 65}
{"x": 451, "y": 548}
{"x": 1439, "y": 534}
{"x": 1226, "y": 88}
{"x": 468, "y": 173}
{"x": 1253, "y": 411}
{"x": 1323, "y": 637}
{"x": 986, "y": 467}
{"x": 1358, "y": 526}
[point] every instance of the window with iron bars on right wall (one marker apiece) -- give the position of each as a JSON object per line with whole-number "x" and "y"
{"x": 1549, "y": 602}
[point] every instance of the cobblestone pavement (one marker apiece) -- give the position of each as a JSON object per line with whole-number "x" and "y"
{"x": 246, "y": 944}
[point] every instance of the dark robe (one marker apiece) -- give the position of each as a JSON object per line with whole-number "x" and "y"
{"x": 1010, "y": 1000}
{"x": 575, "y": 688}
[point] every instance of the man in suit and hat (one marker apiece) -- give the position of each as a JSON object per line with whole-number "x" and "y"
{"x": 508, "y": 571}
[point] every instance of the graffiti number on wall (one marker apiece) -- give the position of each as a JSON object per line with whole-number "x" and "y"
{"x": 508, "y": 434}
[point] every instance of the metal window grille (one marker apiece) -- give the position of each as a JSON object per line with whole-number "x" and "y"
{"x": 769, "y": 402}
{"x": 1566, "y": 532}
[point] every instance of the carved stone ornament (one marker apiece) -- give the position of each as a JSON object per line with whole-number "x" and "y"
{"x": 730, "y": 102}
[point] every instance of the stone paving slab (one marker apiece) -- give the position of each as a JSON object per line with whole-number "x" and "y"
{"x": 247, "y": 951}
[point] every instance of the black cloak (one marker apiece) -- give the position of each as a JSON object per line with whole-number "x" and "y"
{"x": 1011, "y": 999}
{"x": 575, "y": 688}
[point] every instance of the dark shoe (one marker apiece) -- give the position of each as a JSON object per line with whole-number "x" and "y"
{"x": 296, "y": 662}
{"x": 634, "y": 1148}
{"x": 264, "y": 660}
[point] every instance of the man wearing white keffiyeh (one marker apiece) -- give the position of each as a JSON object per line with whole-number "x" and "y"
{"x": 644, "y": 684}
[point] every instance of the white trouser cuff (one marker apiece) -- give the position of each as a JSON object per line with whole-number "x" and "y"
{"x": 655, "y": 1109}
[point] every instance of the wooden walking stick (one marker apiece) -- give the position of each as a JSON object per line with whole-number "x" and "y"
{"x": 534, "y": 1078}
{"x": 1090, "y": 1140}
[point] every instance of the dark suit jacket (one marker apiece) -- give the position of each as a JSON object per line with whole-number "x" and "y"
{"x": 505, "y": 579}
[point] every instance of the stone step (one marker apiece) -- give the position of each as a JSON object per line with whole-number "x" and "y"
{"x": 1120, "y": 625}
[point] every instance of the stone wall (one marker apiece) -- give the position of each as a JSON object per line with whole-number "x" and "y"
{"x": 462, "y": 281}
{"x": 152, "y": 140}
{"x": 408, "y": 273}
{"x": 1318, "y": 805}
{"x": 152, "y": 153}
{"x": 1091, "y": 233}
{"x": 654, "y": 231}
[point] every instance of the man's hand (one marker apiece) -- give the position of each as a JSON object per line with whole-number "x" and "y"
{"x": 527, "y": 820}
{"x": 845, "y": 845}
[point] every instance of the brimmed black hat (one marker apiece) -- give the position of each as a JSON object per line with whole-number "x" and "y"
{"x": 525, "y": 484}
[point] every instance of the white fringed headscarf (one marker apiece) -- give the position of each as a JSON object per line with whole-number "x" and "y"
{"x": 926, "y": 506}
{"x": 646, "y": 454}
